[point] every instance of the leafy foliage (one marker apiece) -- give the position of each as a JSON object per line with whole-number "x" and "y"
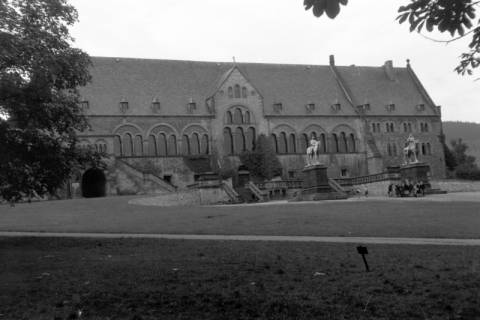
{"x": 450, "y": 160}
{"x": 262, "y": 162}
{"x": 330, "y": 7}
{"x": 39, "y": 74}
{"x": 466, "y": 167}
{"x": 468, "y": 172}
{"x": 454, "y": 16}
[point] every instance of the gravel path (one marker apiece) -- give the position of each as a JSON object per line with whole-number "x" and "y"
{"x": 359, "y": 240}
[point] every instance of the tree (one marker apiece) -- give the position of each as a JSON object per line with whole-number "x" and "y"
{"x": 450, "y": 160}
{"x": 454, "y": 16}
{"x": 39, "y": 102}
{"x": 466, "y": 167}
{"x": 459, "y": 149}
{"x": 262, "y": 162}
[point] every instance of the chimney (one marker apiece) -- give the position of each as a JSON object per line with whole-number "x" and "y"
{"x": 388, "y": 66}
{"x": 332, "y": 60}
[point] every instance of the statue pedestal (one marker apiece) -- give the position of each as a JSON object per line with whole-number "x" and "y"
{"x": 315, "y": 185}
{"x": 415, "y": 172}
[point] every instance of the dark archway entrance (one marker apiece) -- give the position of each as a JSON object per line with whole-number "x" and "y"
{"x": 93, "y": 183}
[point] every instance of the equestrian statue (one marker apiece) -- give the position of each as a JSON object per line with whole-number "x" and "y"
{"x": 313, "y": 152}
{"x": 409, "y": 152}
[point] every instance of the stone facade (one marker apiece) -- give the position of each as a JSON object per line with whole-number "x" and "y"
{"x": 153, "y": 113}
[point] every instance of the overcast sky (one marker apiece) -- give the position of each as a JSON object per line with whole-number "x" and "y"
{"x": 277, "y": 31}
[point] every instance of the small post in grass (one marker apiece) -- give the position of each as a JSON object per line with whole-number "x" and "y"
{"x": 363, "y": 251}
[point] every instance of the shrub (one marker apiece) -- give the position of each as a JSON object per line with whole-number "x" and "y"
{"x": 468, "y": 172}
{"x": 262, "y": 162}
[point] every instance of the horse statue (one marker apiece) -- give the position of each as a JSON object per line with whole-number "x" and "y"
{"x": 409, "y": 154}
{"x": 313, "y": 152}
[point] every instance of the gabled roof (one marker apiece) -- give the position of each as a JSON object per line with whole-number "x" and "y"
{"x": 139, "y": 81}
{"x": 174, "y": 83}
{"x": 371, "y": 85}
{"x": 295, "y": 86}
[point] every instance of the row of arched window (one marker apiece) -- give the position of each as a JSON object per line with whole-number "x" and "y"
{"x": 424, "y": 149}
{"x": 238, "y": 117}
{"x": 98, "y": 146}
{"x": 424, "y": 127}
{"x": 237, "y": 92}
{"x": 284, "y": 143}
{"x": 238, "y": 140}
{"x": 407, "y": 127}
{"x": 392, "y": 150}
{"x": 163, "y": 144}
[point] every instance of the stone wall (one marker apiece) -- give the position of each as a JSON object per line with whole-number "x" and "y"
{"x": 204, "y": 196}
{"x": 453, "y": 185}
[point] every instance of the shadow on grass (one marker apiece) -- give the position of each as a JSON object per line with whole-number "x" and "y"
{"x": 168, "y": 279}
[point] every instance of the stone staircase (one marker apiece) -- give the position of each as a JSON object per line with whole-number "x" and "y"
{"x": 338, "y": 188}
{"x": 131, "y": 180}
{"x": 232, "y": 194}
{"x": 259, "y": 194}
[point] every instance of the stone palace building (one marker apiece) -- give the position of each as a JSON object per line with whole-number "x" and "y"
{"x": 158, "y": 115}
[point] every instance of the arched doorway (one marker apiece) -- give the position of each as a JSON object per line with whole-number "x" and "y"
{"x": 93, "y": 183}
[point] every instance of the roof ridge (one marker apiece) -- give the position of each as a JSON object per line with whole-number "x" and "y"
{"x": 238, "y": 63}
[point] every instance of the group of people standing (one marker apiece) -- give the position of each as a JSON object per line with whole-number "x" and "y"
{"x": 407, "y": 189}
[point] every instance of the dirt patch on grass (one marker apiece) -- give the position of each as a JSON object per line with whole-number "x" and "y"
{"x": 174, "y": 279}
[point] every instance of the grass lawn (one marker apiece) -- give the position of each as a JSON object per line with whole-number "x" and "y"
{"x": 171, "y": 279}
{"x": 395, "y": 218}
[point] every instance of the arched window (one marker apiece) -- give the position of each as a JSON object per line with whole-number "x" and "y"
{"x": 128, "y": 144}
{"x": 429, "y": 148}
{"x": 303, "y": 143}
{"x": 389, "y": 149}
{"x": 138, "y": 147}
{"x": 425, "y": 127}
{"x": 230, "y": 92}
{"x": 117, "y": 146}
{"x": 335, "y": 143}
{"x": 343, "y": 142}
{"x": 405, "y": 129}
{"x": 274, "y": 143}
{"x": 424, "y": 151}
{"x": 204, "y": 144}
{"x": 162, "y": 148}
{"x": 353, "y": 147}
{"x": 292, "y": 145}
{"x": 421, "y": 127}
{"x": 228, "y": 141}
{"x": 250, "y": 139}
{"x": 152, "y": 145}
{"x": 185, "y": 145}
{"x": 409, "y": 127}
{"x": 229, "y": 117}
{"x": 244, "y": 92}
{"x": 323, "y": 141}
{"x": 172, "y": 145}
{"x": 237, "y": 116}
{"x": 282, "y": 143}
{"x": 239, "y": 140}
{"x": 237, "y": 91}
{"x": 394, "y": 149}
{"x": 247, "y": 117}
{"x": 195, "y": 146}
